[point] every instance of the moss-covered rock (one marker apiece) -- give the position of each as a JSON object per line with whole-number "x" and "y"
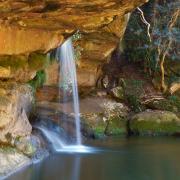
{"x": 22, "y": 68}
{"x": 155, "y": 123}
{"x": 37, "y": 61}
{"x": 110, "y": 120}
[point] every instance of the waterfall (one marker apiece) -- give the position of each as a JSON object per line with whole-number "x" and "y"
{"x": 68, "y": 86}
{"x": 68, "y": 81}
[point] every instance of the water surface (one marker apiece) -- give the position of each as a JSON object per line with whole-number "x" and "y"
{"x": 113, "y": 159}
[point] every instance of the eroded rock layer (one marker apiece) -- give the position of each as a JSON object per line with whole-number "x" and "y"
{"x": 27, "y": 26}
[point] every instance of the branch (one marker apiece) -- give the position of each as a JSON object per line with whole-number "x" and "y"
{"x": 145, "y": 22}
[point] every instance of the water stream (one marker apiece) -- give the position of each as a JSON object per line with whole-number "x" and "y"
{"x": 68, "y": 81}
{"x": 68, "y": 87}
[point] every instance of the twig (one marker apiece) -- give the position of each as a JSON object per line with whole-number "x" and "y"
{"x": 145, "y": 22}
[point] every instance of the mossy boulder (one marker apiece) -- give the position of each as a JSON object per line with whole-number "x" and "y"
{"x": 110, "y": 120}
{"x": 155, "y": 123}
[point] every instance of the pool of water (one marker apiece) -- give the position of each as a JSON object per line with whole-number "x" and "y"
{"x": 111, "y": 159}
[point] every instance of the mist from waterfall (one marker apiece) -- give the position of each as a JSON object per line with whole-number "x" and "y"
{"x": 68, "y": 81}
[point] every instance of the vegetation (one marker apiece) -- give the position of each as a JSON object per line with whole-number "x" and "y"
{"x": 163, "y": 17}
{"x": 38, "y": 81}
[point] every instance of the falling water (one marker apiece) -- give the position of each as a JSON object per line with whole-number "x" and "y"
{"x": 68, "y": 80}
{"x": 52, "y": 137}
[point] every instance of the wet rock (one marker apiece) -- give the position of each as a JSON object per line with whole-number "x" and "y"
{"x": 155, "y": 123}
{"x": 28, "y": 145}
{"x": 11, "y": 160}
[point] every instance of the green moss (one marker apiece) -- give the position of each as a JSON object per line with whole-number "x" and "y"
{"x": 155, "y": 128}
{"x": 99, "y": 132}
{"x": 134, "y": 103}
{"x": 38, "y": 81}
{"x": 133, "y": 89}
{"x": 116, "y": 126}
{"x": 38, "y": 61}
{"x": 175, "y": 100}
{"x": 15, "y": 62}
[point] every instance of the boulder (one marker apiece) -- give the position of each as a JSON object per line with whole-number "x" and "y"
{"x": 155, "y": 123}
{"x": 104, "y": 116}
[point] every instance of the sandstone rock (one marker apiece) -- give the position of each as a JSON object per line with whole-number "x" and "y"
{"x": 118, "y": 25}
{"x": 99, "y": 115}
{"x": 52, "y": 74}
{"x": 4, "y": 72}
{"x": 105, "y": 116}
{"x": 15, "y": 104}
{"x": 155, "y": 123}
{"x": 22, "y": 68}
{"x": 27, "y": 40}
{"x": 42, "y": 25}
{"x": 11, "y": 160}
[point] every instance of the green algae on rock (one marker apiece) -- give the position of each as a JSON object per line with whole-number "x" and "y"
{"x": 155, "y": 123}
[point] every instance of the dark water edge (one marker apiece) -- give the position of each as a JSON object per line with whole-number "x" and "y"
{"x": 113, "y": 159}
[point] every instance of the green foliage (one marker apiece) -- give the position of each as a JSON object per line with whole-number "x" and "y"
{"x": 175, "y": 100}
{"x": 38, "y": 81}
{"x": 78, "y": 49}
{"x": 133, "y": 89}
{"x": 134, "y": 103}
{"x": 76, "y": 36}
{"x": 138, "y": 48}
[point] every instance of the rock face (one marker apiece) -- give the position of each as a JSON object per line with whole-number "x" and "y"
{"x": 11, "y": 160}
{"x": 105, "y": 116}
{"x": 155, "y": 123}
{"x": 99, "y": 115}
{"x": 15, "y": 104}
{"x": 42, "y": 25}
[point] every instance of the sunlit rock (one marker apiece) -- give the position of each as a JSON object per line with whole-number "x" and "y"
{"x": 15, "y": 105}
{"x": 41, "y": 26}
{"x": 11, "y": 160}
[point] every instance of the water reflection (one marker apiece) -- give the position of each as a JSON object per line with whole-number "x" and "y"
{"x": 76, "y": 168}
{"x": 123, "y": 159}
